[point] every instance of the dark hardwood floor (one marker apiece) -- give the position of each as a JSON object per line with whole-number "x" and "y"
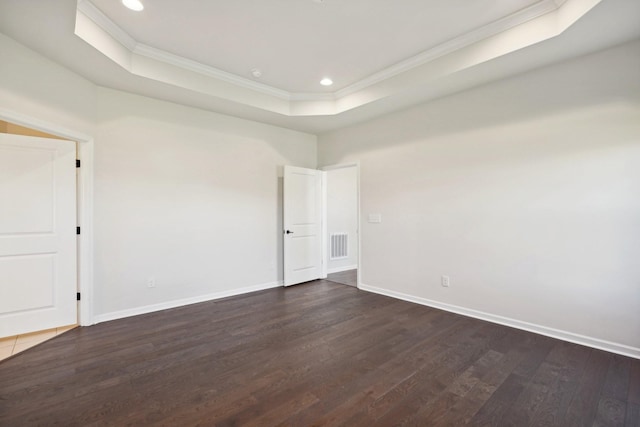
{"x": 318, "y": 354}
{"x": 349, "y": 277}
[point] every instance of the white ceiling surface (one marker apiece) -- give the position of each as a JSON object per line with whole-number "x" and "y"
{"x": 48, "y": 27}
{"x": 295, "y": 43}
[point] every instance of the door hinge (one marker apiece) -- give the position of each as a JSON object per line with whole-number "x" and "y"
{"x": 77, "y": 163}
{"x": 77, "y": 296}
{"x": 77, "y": 230}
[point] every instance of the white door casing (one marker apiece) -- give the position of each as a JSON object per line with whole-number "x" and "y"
{"x": 302, "y": 225}
{"x": 37, "y": 234}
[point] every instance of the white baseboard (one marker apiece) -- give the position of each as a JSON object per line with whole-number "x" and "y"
{"x": 182, "y": 302}
{"x": 341, "y": 269}
{"x": 612, "y": 347}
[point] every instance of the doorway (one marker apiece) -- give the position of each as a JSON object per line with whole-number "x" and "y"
{"x": 38, "y": 269}
{"x": 19, "y": 123}
{"x": 342, "y": 224}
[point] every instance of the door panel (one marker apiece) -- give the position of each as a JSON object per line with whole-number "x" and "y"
{"x": 31, "y": 275}
{"x": 37, "y": 234}
{"x": 303, "y": 225}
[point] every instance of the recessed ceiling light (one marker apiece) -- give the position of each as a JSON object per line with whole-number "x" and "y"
{"x": 133, "y": 4}
{"x": 326, "y": 81}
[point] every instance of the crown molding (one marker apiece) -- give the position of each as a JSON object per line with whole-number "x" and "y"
{"x": 541, "y": 21}
{"x": 198, "y": 67}
{"x": 96, "y": 15}
{"x": 534, "y": 11}
{"x": 524, "y": 15}
{"x": 121, "y": 36}
{"x": 300, "y": 96}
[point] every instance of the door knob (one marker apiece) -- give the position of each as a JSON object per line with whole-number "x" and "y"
{"x": 289, "y": 232}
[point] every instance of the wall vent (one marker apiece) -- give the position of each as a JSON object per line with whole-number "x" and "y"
{"x": 339, "y": 245}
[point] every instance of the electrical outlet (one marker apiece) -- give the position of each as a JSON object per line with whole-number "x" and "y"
{"x": 151, "y": 283}
{"x": 445, "y": 281}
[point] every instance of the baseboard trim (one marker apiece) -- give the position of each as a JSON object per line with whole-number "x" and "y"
{"x": 341, "y": 269}
{"x": 182, "y": 302}
{"x": 514, "y": 323}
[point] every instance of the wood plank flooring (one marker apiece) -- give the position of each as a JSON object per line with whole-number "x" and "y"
{"x": 318, "y": 354}
{"x": 348, "y": 277}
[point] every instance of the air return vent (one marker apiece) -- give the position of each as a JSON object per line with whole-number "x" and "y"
{"x": 339, "y": 245}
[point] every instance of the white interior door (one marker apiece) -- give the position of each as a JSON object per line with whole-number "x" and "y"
{"x": 37, "y": 234}
{"x": 302, "y": 225}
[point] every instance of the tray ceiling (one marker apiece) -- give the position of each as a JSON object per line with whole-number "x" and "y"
{"x": 295, "y": 43}
{"x": 381, "y": 55}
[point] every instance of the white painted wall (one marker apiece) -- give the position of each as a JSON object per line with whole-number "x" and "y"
{"x": 187, "y": 197}
{"x": 342, "y": 214}
{"x": 33, "y": 85}
{"x": 37, "y": 92}
{"x": 526, "y": 192}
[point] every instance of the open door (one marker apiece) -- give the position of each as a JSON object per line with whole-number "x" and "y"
{"x": 302, "y": 225}
{"x": 37, "y": 234}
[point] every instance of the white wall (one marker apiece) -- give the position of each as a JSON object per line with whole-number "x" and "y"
{"x": 525, "y": 192}
{"x": 342, "y": 214}
{"x": 32, "y": 85}
{"x": 187, "y": 197}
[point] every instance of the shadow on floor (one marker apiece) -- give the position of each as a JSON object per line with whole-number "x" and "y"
{"x": 349, "y": 277}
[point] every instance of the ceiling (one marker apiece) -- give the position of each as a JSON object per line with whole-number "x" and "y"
{"x": 295, "y": 43}
{"x": 382, "y": 56}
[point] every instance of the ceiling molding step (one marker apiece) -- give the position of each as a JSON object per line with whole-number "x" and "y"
{"x": 181, "y": 77}
{"x": 299, "y": 96}
{"x": 527, "y": 14}
{"x": 96, "y": 15}
{"x": 528, "y": 26}
{"x": 121, "y": 36}
{"x": 198, "y": 67}
{"x": 534, "y": 11}
{"x": 93, "y": 34}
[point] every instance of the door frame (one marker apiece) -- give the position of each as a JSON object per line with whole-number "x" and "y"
{"x": 84, "y": 203}
{"x": 355, "y": 164}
